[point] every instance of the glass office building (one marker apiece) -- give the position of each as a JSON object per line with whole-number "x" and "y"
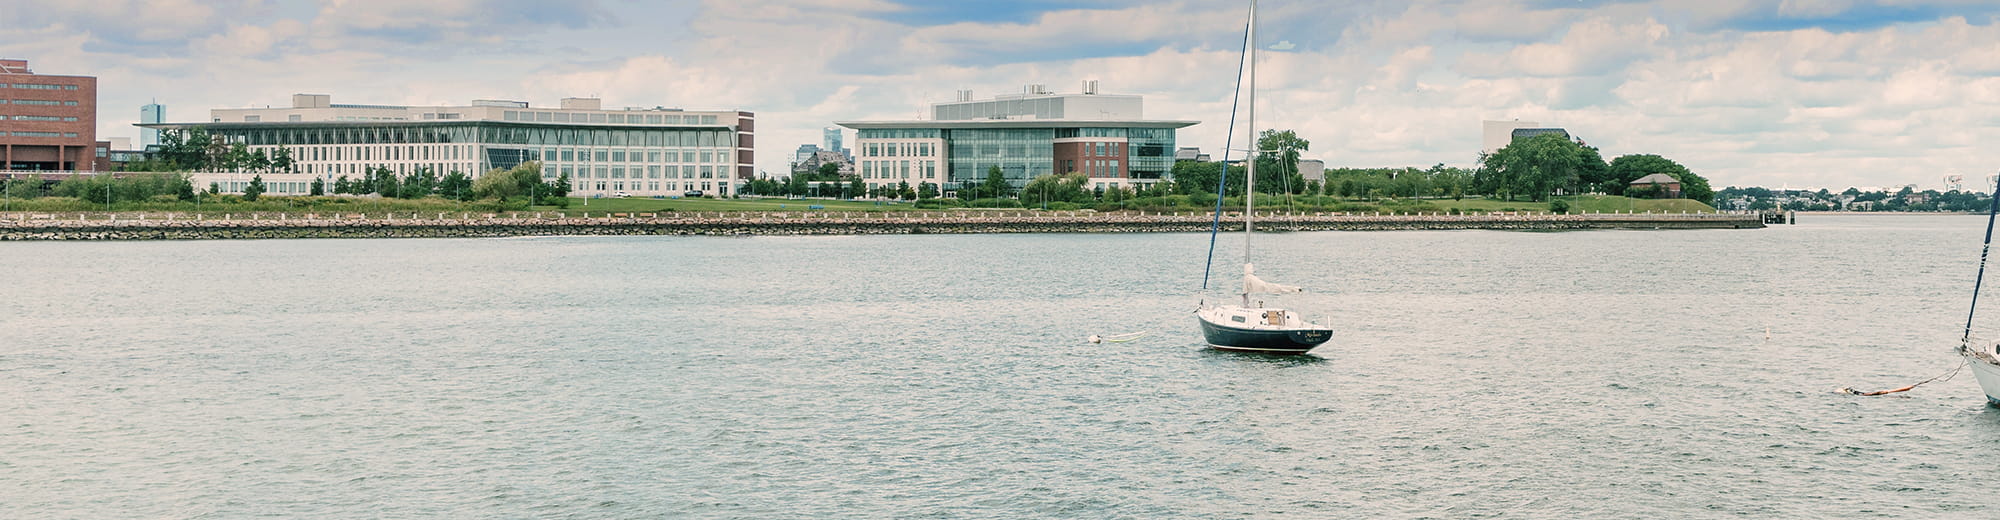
{"x": 1024, "y": 136}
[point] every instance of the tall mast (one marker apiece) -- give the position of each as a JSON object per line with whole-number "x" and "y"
{"x": 1250, "y": 178}
{"x": 1983, "y": 250}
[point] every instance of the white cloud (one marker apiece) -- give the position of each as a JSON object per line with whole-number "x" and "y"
{"x": 1370, "y": 84}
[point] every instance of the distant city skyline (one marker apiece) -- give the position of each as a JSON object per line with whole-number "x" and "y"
{"x": 1819, "y": 93}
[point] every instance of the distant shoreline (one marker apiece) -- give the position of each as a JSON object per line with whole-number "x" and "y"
{"x": 1886, "y": 213}
{"x": 25, "y": 227}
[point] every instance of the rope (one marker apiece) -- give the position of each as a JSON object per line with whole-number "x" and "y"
{"x": 1940, "y": 377}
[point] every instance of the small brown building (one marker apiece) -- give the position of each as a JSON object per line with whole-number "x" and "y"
{"x": 1668, "y": 187}
{"x": 47, "y": 122}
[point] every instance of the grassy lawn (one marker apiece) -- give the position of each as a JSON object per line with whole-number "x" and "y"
{"x": 647, "y": 205}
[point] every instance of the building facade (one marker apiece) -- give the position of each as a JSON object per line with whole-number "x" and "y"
{"x": 47, "y": 122}
{"x": 832, "y": 142}
{"x": 1029, "y": 135}
{"x": 151, "y": 114}
{"x": 1495, "y": 135}
{"x": 640, "y": 152}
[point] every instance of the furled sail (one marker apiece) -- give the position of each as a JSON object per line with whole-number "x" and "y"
{"x": 1254, "y": 285}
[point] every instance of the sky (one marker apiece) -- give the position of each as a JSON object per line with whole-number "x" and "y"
{"x": 1776, "y": 93}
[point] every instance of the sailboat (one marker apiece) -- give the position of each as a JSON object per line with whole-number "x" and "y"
{"x": 1983, "y": 356}
{"x": 1246, "y": 327}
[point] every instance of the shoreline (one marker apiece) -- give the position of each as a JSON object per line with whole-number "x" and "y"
{"x": 40, "y": 227}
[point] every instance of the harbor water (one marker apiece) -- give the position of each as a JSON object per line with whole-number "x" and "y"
{"x": 1473, "y": 374}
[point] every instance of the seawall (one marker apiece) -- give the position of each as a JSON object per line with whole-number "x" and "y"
{"x": 75, "y": 226}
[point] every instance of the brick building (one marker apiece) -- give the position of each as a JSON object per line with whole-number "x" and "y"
{"x": 48, "y": 122}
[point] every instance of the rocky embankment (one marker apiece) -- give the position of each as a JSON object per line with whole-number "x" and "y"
{"x": 156, "y": 226}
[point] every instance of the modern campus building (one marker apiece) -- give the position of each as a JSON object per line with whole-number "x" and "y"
{"x": 637, "y": 151}
{"x": 1026, "y": 135}
{"x": 1495, "y": 135}
{"x": 48, "y": 122}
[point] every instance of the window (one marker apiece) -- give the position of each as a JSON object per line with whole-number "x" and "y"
{"x": 295, "y": 118}
{"x": 252, "y": 119}
{"x": 511, "y": 115}
{"x": 617, "y": 156}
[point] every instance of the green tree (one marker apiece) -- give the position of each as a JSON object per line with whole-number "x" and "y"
{"x": 1592, "y": 174}
{"x": 904, "y": 191}
{"x": 855, "y": 186}
{"x": 259, "y": 161}
{"x": 281, "y": 160}
{"x": 318, "y": 186}
{"x": 796, "y": 185}
{"x": 996, "y": 185}
{"x": 1535, "y": 167}
{"x": 385, "y": 182}
{"x": 926, "y": 191}
{"x": 418, "y": 185}
{"x": 455, "y": 186}
{"x": 829, "y": 171}
{"x": 254, "y": 189}
{"x": 236, "y": 158}
{"x": 341, "y": 186}
{"x": 1278, "y": 162}
{"x": 1628, "y": 168}
{"x": 1056, "y": 188}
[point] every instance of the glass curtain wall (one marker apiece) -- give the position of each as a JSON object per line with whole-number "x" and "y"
{"x": 1021, "y": 154}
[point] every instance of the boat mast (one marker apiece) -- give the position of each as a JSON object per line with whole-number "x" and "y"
{"x": 1250, "y": 178}
{"x": 1983, "y": 250}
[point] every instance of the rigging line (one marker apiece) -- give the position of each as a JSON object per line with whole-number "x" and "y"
{"x": 1222, "y": 181}
{"x": 1940, "y": 377}
{"x": 1983, "y": 250}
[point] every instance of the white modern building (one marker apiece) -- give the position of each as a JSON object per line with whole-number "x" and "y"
{"x": 640, "y": 151}
{"x": 1027, "y": 135}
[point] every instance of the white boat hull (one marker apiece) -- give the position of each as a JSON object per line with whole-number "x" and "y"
{"x": 1987, "y": 372}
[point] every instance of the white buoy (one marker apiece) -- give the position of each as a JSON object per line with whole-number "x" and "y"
{"x": 1094, "y": 339}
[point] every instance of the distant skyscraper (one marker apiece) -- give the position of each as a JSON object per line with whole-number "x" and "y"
{"x": 832, "y": 139}
{"x": 151, "y": 115}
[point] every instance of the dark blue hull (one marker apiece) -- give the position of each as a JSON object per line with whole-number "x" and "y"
{"x": 1267, "y": 341}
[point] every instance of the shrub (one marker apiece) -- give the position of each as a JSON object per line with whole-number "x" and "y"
{"x": 1559, "y": 206}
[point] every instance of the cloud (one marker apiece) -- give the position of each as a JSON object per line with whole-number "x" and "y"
{"x": 1804, "y": 92}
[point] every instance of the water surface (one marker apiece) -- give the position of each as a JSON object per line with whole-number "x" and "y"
{"x": 1600, "y": 374}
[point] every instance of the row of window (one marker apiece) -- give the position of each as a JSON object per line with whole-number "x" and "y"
{"x": 616, "y": 119}
{"x": 639, "y": 156}
{"x": 898, "y": 170}
{"x": 42, "y": 118}
{"x": 42, "y": 134}
{"x": 652, "y": 186}
{"x": 38, "y": 86}
{"x": 650, "y": 172}
{"x": 897, "y": 150}
{"x": 427, "y": 153}
{"x": 447, "y": 133}
{"x": 38, "y": 102}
